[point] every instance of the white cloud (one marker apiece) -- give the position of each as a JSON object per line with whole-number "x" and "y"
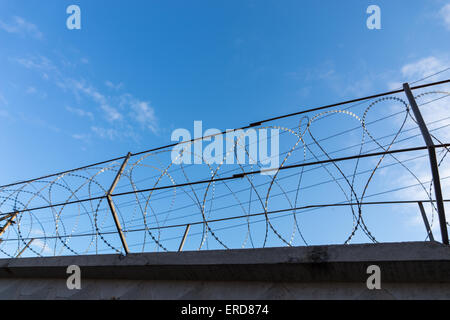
{"x": 80, "y": 112}
{"x": 445, "y": 14}
{"x": 420, "y": 69}
{"x": 28, "y": 63}
{"x": 424, "y": 67}
{"x": 41, "y": 64}
{"x": 105, "y": 133}
{"x": 144, "y": 114}
{"x": 84, "y": 137}
{"x": 111, "y": 113}
{"x": 129, "y": 109}
{"x": 89, "y": 91}
{"x": 122, "y": 112}
{"x": 22, "y": 27}
{"x": 341, "y": 83}
{"x": 31, "y": 90}
{"x": 44, "y": 247}
{"x": 140, "y": 111}
{"x": 114, "y": 86}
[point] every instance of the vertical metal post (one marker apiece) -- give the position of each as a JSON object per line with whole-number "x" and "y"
{"x": 433, "y": 162}
{"x": 10, "y": 222}
{"x": 113, "y": 208}
{"x": 184, "y": 238}
{"x": 425, "y": 221}
{"x": 25, "y": 248}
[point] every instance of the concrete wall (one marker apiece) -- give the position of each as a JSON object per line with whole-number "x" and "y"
{"x": 408, "y": 271}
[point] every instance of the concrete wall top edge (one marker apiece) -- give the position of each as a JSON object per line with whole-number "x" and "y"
{"x": 407, "y": 251}
{"x": 401, "y": 262}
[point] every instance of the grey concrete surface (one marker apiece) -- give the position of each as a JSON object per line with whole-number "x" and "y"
{"x": 414, "y": 270}
{"x": 46, "y": 289}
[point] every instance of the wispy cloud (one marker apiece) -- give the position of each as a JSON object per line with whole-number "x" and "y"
{"x": 420, "y": 69}
{"x": 41, "y": 64}
{"x": 44, "y": 247}
{"x": 124, "y": 114}
{"x": 106, "y": 133}
{"x": 142, "y": 112}
{"x": 423, "y": 67}
{"x": 342, "y": 83}
{"x": 88, "y": 90}
{"x": 111, "y": 113}
{"x": 128, "y": 108}
{"x": 20, "y": 26}
{"x": 445, "y": 14}
{"x": 35, "y": 92}
{"x": 31, "y": 90}
{"x": 80, "y": 112}
{"x": 81, "y": 136}
{"x": 114, "y": 86}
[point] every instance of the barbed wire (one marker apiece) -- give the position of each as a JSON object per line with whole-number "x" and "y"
{"x": 52, "y": 209}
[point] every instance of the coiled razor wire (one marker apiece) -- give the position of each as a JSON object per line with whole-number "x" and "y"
{"x": 58, "y": 227}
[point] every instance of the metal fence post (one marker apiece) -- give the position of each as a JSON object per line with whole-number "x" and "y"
{"x": 433, "y": 162}
{"x": 24, "y": 248}
{"x": 113, "y": 208}
{"x": 425, "y": 220}
{"x": 184, "y": 238}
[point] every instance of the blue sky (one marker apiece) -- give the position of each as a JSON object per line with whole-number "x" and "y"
{"x": 137, "y": 70}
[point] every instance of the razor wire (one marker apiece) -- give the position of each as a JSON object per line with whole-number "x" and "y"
{"x": 57, "y": 211}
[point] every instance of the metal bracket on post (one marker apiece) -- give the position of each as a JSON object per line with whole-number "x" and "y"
{"x": 10, "y": 222}
{"x": 425, "y": 220}
{"x": 184, "y": 238}
{"x": 433, "y": 162}
{"x": 8, "y": 216}
{"x": 113, "y": 208}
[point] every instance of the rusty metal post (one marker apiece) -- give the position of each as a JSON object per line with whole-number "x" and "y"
{"x": 113, "y": 208}
{"x": 433, "y": 162}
